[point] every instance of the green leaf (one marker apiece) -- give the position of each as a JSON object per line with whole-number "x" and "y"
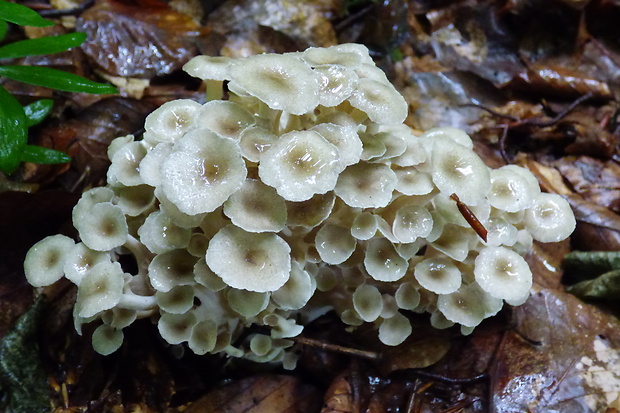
{"x": 39, "y": 154}
{"x": 585, "y": 265}
{"x": 22, "y": 377}
{"x": 37, "y": 111}
{"x": 13, "y": 131}
{"x": 42, "y": 45}
{"x": 4, "y": 27}
{"x": 604, "y": 287}
{"x": 55, "y": 79}
{"x": 22, "y": 15}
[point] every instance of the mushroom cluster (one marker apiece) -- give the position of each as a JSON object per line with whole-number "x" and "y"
{"x": 295, "y": 190}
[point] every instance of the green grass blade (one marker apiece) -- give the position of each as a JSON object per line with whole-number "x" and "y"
{"x": 55, "y": 79}
{"x": 22, "y": 15}
{"x": 39, "y": 154}
{"x": 13, "y": 131}
{"x": 37, "y": 111}
{"x": 4, "y": 27}
{"x": 42, "y": 45}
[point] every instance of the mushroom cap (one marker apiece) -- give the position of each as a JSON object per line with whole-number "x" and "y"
{"x": 176, "y": 328}
{"x": 256, "y": 207}
{"x": 100, "y": 289}
{"x": 336, "y": 84}
{"x": 107, "y": 339}
{"x": 411, "y": 181}
{"x": 249, "y": 261}
{"x": 334, "y": 243}
{"x": 300, "y": 164}
{"x": 465, "y": 306}
{"x": 310, "y": 213}
{"x": 407, "y": 296}
{"x": 344, "y": 138}
{"x": 247, "y": 303}
{"x": 159, "y": 234}
{"x": 382, "y": 262}
{"x": 170, "y": 121}
{"x": 364, "y": 226}
{"x": 45, "y": 260}
{"x": 89, "y": 199}
{"x": 367, "y": 302}
{"x": 104, "y": 228}
{"x": 203, "y": 337}
{"x": 438, "y": 274}
{"x": 172, "y": 268}
{"x": 395, "y": 330}
{"x": 456, "y": 169}
{"x": 412, "y": 222}
{"x": 550, "y": 218}
{"x": 150, "y": 165}
{"x": 202, "y": 171}
{"x": 207, "y": 278}
{"x": 134, "y": 200}
{"x": 297, "y": 291}
{"x": 335, "y": 55}
{"x": 254, "y": 141}
{"x": 454, "y": 241}
{"x": 225, "y": 118}
{"x": 510, "y": 191}
{"x": 455, "y": 134}
{"x": 209, "y": 67}
{"x": 503, "y": 273}
{"x": 366, "y": 185}
{"x": 80, "y": 259}
{"x": 125, "y": 167}
{"x": 283, "y": 82}
{"x": 179, "y": 300}
{"x": 380, "y": 101}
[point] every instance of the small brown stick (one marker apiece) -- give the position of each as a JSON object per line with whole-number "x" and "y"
{"x": 471, "y": 219}
{"x": 369, "y": 355}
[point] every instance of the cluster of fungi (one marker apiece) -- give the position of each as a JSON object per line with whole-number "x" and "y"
{"x": 296, "y": 190}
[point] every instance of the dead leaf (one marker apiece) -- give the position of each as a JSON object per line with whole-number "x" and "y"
{"x": 260, "y": 394}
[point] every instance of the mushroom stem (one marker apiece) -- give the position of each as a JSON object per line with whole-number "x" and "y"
{"x": 142, "y": 255}
{"x": 215, "y": 89}
{"x": 131, "y": 301}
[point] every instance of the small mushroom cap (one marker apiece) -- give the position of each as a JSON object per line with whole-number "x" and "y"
{"x": 407, "y": 296}
{"x": 550, "y": 218}
{"x": 503, "y": 273}
{"x": 45, "y": 260}
{"x": 335, "y": 55}
{"x": 297, "y": 291}
{"x": 454, "y": 241}
{"x": 176, "y": 328}
{"x": 395, "y": 330}
{"x": 80, "y": 259}
{"x": 202, "y": 171}
{"x": 382, "y": 261}
{"x": 310, "y": 213}
{"x": 159, "y": 234}
{"x": 334, "y": 243}
{"x": 247, "y": 303}
{"x": 204, "y": 337}
{"x": 366, "y": 185}
{"x": 150, "y": 165}
{"x": 380, "y": 101}
{"x": 101, "y": 289}
{"x": 207, "y": 278}
{"x": 345, "y": 139}
{"x": 367, "y": 302}
{"x": 336, "y": 84}
{"x": 134, "y": 200}
{"x": 249, "y": 261}
{"x": 261, "y": 344}
{"x": 209, "y": 67}
{"x": 172, "y": 268}
{"x": 455, "y": 134}
{"x": 412, "y": 222}
{"x": 364, "y": 226}
{"x": 125, "y": 167}
{"x": 254, "y": 141}
{"x": 225, "y": 118}
{"x": 256, "y": 207}
{"x": 410, "y": 181}
{"x": 283, "y": 82}
{"x": 510, "y": 191}
{"x": 107, "y": 339}
{"x": 438, "y": 274}
{"x": 456, "y": 169}
{"x": 178, "y": 300}
{"x": 170, "y": 121}
{"x": 465, "y": 306}
{"x": 104, "y": 229}
{"x": 89, "y": 199}
{"x": 300, "y": 164}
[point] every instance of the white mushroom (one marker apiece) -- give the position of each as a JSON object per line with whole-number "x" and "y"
{"x": 366, "y": 185}
{"x": 439, "y": 275}
{"x": 510, "y": 191}
{"x": 249, "y": 261}
{"x": 310, "y": 213}
{"x": 299, "y": 165}
{"x": 107, "y": 339}
{"x": 176, "y": 328}
{"x": 380, "y": 101}
{"x": 213, "y": 70}
{"x": 45, "y": 260}
{"x": 383, "y": 262}
{"x": 503, "y": 273}
{"x": 550, "y": 218}
{"x": 80, "y": 259}
{"x": 159, "y": 234}
{"x": 336, "y": 83}
{"x": 125, "y": 167}
{"x": 101, "y": 288}
{"x": 364, "y": 226}
{"x": 104, "y": 228}
{"x": 256, "y": 207}
{"x": 407, "y": 296}
{"x": 395, "y": 330}
{"x": 465, "y": 306}
{"x": 345, "y": 139}
{"x": 412, "y": 222}
{"x": 334, "y": 243}
{"x": 367, "y": 302}
{"x": 225, "y": 118}
{"x": 297, "y": 291}
{"x": 176, "y": 301}
{"x": 247, "y": 303}
{"x": 171, "y": 268}
{"x": 202, "y": 171}
{"x": 170, "y": 121}
{"x": 254, "y": 141}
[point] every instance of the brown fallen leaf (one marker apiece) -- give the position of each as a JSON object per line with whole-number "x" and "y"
{"x": 260, "y": 394}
